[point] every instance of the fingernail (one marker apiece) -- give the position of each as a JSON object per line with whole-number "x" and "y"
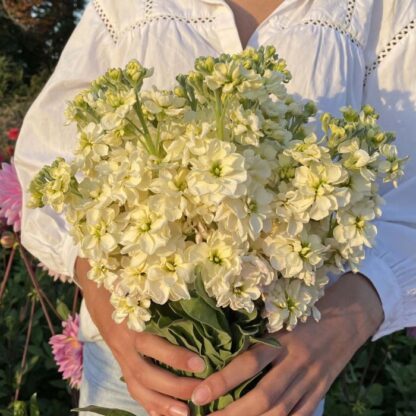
{"x": 201, "y": 395}
{"x": 196, "y": 364}
{"x": 178, "y": 411}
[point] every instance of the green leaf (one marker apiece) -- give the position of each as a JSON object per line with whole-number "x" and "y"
{"x": 33, "y": 406}
{"x": 375, "y": 394}
{"x": 63, "y": 310}
{"x": 223, "y": 402}
{"x": 271, "y": 342}
{"x": 104, "y": 411}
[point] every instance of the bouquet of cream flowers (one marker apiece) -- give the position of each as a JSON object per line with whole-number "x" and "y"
{"x": 213, "y": 212}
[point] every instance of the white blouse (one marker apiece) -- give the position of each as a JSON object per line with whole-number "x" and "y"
{"x": 340, "y": 52}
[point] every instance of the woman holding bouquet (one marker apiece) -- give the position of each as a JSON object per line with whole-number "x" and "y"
{"x": 339, "y": 53}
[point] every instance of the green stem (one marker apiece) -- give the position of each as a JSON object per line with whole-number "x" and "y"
{"x": 135, "y": 126}
{"x": 146, "y": 133}
{"x": 219, "y": 114}
{"x": 25, "y": 350}
{"x": 7, "y": 273}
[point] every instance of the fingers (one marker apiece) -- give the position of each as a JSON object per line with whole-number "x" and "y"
{"x": 155, "y": 403}
{"x": 310, "y": 401}
{"x": 139, "y": 371}
{"x": 266, "y": 394}
{"x": 162, "y": 350}
{"x": 242, "y": 368}
{"x": 155, "y": 378}
{"x": 301, "y": 385}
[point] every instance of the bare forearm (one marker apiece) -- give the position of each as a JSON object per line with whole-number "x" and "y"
{"x": 355, "y": 296}
{"x": 82, "y": 266}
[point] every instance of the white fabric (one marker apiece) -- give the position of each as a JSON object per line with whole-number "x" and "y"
{"x": 340, "y": 52}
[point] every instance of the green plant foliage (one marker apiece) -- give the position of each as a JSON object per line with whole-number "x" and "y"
{"x": 379, "y": 381}
{"x": 218, "y": 335}
{"x": 40, "y": 374}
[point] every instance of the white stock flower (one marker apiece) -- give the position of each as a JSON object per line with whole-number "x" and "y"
{"x": 392, "y": 165}
{"x": 168, "y": 279}
{"x": 236, "y": 292}
{"x": 226, "y": 75}
{"x": 259, "y": 169}
{"x": 220, "y": 172}
{"x": 55, "y": 190}
{"x": 99, "y": 232}
{"x": 133, "y": 273}
{"x": 218, "y": 258}
{"x": 147, "y": 231}
{"x": 247, "y": 215}
{"x": 169, "y": 188}
{"x": 133, "y": 308}
{"x": 355, "y": 227}
{"x": 129, "y": 174}
{"x": 245, "y": 126}
{"x": 104, "y": 272}
{"x": 288, "y": 301}
{"x": 115, "y": 106}
{"x": 357, "y": 159}
{"x": 318, "y": 184}
{"x": 162, "y": 103}
{"x": 307, "y": 150}
{"x": 91, "y": 147}
{"x": 296, "y": 257}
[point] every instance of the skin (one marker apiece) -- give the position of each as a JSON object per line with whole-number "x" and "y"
{"x": 249, "y": 14}
{"x": 303, "y": 369}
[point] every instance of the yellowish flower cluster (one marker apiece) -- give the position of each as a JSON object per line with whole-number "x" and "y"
{"x": 223, "y": 178}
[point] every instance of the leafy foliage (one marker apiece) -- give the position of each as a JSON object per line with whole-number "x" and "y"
{"x": 40, "y": 374}
{"x": 199, "y": 325}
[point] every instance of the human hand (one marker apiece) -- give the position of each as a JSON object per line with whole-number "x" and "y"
{"x": 150, "y": 385}
{"x": 311, "y": 357}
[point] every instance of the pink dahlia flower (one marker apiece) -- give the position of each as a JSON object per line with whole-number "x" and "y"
{"x": 67, "y": 351}
{"x": 56, "y": 276}
{"x": 10, "y": 196}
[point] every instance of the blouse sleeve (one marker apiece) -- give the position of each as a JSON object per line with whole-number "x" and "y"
{"x": 44, "y": 137}
{"x": 390, "y": 86}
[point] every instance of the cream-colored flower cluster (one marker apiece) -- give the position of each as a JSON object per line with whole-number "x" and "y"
{"x": 221, "y": 178}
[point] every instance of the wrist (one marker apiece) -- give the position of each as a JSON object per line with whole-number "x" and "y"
{"x": 354, "y": 297}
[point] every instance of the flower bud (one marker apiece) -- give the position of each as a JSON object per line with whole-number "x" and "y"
{"x": 7, "y": 240}
{"x": 114, "y": 74}
{"x": 180, "y": 92}
{"x": 310, "y": 108}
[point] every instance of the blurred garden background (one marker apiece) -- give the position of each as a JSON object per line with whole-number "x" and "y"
{"x": 381, "y": 379}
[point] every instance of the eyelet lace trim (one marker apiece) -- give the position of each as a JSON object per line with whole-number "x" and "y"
{"x": 350, "y": 12}
{"x": 147, "y": 19}
{"x": 340, "y": 29}
{"x": 105, "y": 19}
{"x": 148, "y": 7}
{"x": 384, "y": 52}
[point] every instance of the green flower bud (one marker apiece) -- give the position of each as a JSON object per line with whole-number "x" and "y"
{"x": 325, "y": 120}
{"x": 114, "y": 75}
{"x": 180, "y": 92}
{"x": 368, "y": 110}
{"x": 350, "y": 115}
{"x": 310, "y": 108}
